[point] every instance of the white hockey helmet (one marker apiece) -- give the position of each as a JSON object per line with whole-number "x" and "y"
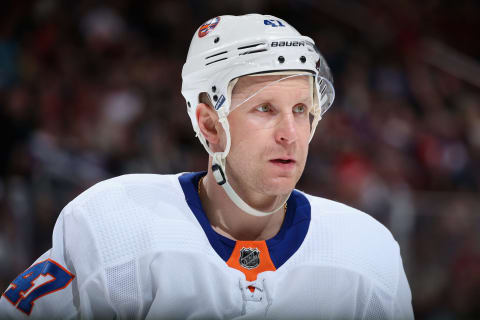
{"x": 228, "y": 47}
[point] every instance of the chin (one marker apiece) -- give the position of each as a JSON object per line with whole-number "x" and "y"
{"x": 280, "y": 185}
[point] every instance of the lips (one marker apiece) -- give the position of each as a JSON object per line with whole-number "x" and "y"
{"x": 283, "y": 163}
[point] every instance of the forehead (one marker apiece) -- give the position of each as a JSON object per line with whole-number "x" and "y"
{"x": 248, "y": 85}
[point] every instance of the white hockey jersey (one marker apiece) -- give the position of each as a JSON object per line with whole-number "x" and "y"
{"x": 141, "y": 247}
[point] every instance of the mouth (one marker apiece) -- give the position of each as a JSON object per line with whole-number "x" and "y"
{"x": 283, "y": 162}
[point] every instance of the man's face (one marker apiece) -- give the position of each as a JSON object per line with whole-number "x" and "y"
{"x": 270, "y": 134}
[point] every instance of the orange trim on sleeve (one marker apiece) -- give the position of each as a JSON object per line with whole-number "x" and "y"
{"x": 252, "y": 258}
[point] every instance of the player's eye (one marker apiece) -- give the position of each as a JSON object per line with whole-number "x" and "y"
{"x": 300, "y": 108}
{"x": 264, "y": 108}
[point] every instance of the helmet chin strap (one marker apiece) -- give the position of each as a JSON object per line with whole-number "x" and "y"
{"x": 219, "y": 172}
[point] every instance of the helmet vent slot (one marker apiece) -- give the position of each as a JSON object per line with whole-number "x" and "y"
{"x": 216, "y": 54}
{"x": 216, "y": 61}
{"x": 253, "y": 51}
{"x": 252, "y": 48}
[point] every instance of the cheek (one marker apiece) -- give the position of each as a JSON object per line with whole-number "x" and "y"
{"x": 303, "y": 137}
{"x": 244, "y": 133}
{"x": 248, "y": 143}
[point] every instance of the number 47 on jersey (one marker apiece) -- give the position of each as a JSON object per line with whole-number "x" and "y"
{"x": 37, "y": 281}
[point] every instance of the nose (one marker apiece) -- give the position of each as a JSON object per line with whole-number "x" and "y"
{"x": 286, "y": 130}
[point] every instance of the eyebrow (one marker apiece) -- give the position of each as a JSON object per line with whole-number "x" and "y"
{"x": 305, "y": 100}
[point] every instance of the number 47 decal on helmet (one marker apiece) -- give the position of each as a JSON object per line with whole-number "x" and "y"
{"x": 37, "y": 281}
{"x": 274, "y": 23}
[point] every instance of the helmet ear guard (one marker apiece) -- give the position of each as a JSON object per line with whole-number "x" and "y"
{"x": 221, "y": 52}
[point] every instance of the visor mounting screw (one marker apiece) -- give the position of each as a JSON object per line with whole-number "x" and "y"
{"x": 281, "y": 59}
{"x": 214, "y": 89}
{"x": 215, "y": 98}
{"x": 216, "y": 39}
{"x": 303, "y": 59}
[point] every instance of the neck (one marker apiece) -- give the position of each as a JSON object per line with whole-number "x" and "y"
{"x": 232, "y": 222}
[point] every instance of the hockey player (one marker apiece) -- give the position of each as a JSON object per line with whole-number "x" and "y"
{"x": 237, "y": 241}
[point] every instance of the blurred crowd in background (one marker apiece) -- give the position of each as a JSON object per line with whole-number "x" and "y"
{"x": 91, "y": 89}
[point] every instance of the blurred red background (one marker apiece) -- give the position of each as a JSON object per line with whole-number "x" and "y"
{"x": 90, "y": 90}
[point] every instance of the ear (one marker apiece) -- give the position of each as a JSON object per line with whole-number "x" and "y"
{"x": 211, "y": 129}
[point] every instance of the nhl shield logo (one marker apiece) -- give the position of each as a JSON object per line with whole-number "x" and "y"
{"x": 249, "y": 258}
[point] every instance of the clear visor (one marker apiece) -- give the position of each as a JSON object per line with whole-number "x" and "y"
{"x": 289, "y": 100}
{"x": 324, "y": 94}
